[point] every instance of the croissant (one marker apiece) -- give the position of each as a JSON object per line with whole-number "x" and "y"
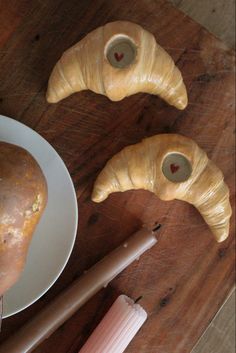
{"x": 117, "y": 60}
{"x": 173, "y": 167}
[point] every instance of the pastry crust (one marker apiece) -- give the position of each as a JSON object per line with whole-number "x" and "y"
{"x": 140, "y": 166}
{"x": 86, "y": 65}
{"x": 23, "y": 197}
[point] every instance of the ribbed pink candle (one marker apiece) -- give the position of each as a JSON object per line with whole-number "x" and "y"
{"x": 117, "y": 328}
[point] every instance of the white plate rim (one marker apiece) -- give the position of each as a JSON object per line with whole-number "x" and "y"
{"x": 32, "y": 131}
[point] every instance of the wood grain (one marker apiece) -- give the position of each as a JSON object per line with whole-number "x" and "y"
{"x": 220, "y": 335}
{"x": 219, "y": 18}
{"x": 216, "y": 15}
{"x": 186, "y": 277}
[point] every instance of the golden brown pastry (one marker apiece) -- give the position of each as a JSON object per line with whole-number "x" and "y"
{"x": 23, "y": 196}
{"x": 173, "y": 167}
{"x": 118, "y": 60}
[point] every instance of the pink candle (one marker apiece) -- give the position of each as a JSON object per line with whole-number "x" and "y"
{"x": 118, "y": 327}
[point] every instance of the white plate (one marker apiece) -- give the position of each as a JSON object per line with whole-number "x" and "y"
{"x": 55, "y": 235}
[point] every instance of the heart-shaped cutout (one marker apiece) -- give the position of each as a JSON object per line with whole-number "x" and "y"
{"x": 174, "y": 168}
{"x": 118, "y": 56}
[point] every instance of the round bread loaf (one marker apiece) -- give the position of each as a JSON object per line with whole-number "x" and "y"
{"x": 23, "y": 197}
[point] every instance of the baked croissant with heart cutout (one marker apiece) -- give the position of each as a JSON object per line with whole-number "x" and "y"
{"x": 118, "y": 60}
{"x": 173, "y": 167}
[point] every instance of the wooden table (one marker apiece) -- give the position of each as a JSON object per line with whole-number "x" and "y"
{"x": 187, "y": 276}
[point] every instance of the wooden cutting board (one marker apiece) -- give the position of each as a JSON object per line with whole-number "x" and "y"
{"x": 186, "y": 277}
